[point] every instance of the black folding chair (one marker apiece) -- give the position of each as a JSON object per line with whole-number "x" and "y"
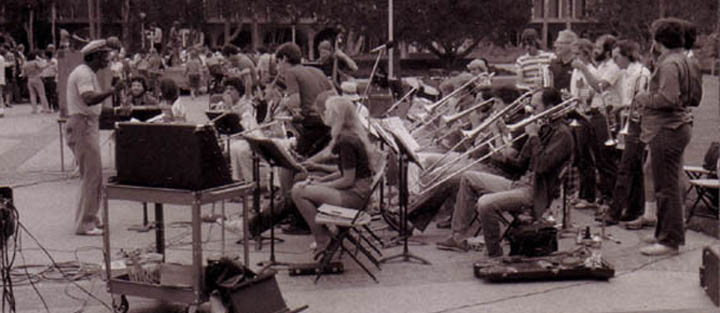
{"x": 350, "y": 221}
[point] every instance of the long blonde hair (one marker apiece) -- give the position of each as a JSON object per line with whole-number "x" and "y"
{"x": 344, "y": 120}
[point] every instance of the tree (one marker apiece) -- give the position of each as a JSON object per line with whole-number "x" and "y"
{"x": 632, "y": 19}
{"x": 451, "y": 29}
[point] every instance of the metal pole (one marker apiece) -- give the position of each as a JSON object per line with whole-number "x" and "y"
{"x": 390, "y": 39}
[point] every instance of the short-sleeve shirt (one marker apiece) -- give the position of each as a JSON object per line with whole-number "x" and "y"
{"x": 530, "y": 66}
{"x": 82, "y": 79}
{"x": 309, "y": 82}
{"x": 2, "y": 70}
{"x": 608, "y": 71}
{"x": 352, "y": 155}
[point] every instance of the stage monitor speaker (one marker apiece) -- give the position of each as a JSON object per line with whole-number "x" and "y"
{"x": 178, "y": 156}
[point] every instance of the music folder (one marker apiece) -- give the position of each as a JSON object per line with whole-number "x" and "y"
{"x": 226, "y": 122}
{"x": 404, "y": 142}
{"x": 273, "y": 153}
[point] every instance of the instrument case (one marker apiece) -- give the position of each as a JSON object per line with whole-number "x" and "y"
{"x": 710, "y": 273}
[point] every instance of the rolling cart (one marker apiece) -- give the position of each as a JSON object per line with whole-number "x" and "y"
{"x": 191, "y": 291}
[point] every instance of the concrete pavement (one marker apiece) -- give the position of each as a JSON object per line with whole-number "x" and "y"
{"x": 44, "y": 196}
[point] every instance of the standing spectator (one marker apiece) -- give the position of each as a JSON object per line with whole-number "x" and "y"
{"x": 20, "y": 82}
{"x": 49, "y": 78}
{"x": 2, "y": 81}
{"x": 84, "y": 98}
{"x": 32, "y": 69}
{"x": 666, "y": 129}
{"x": 531, "y": 65}
{"x": 193, "y": 70}
{"x": 7, "y": 71}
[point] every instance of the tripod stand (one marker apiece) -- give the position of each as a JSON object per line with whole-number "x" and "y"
{"x": 404, "y": 158}
{"x": 256, "y": 206}
{"x": 276, "y": 156}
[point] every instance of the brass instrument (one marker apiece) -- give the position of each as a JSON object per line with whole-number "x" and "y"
{"x": 552, "y": 113}
{"x": 510, "y": 109}
{"x": 444, "y": 99}
{"x": 641, "y": 84}
{"x": 468, "y": 135}
{"x": 448, "y": 119}
{"x": 548, "y": 115}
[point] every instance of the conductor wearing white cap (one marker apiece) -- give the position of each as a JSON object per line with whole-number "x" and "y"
{"x": 84, "y": 101}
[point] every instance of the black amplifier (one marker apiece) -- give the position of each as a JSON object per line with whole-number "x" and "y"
{"x": 110, "y": 116}
{"x": 178, "y": 156}
{"x": 710, "y": 274}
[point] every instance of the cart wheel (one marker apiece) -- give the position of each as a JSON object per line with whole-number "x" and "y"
{"x": 120, "y": 304}
{"x": 191, "y": 308}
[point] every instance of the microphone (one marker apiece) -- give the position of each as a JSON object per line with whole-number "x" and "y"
{"x": 386, "y": 45}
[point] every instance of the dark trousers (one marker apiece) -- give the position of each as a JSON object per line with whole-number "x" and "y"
{"x": 666, "y": 151}
{"x": 585, "y": 159}
{"x": 606, "y": 157}
{"x": 629, "y": 191}
{"x": 51, "y": 93}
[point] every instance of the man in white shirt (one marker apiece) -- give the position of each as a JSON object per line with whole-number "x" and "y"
{"x": 605, "y": 81}
{"x": 84, "y": 101}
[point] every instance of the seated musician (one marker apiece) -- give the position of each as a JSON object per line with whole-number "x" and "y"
{"x": 349, "y": 184}
{"x": 138, "y": 95}
{"x": 428, "y": 204}
{"x": 173, "y": 109}
{"x": 317, "y": 164}
{"x": 475, "y": 67}
{"x": 547, "y": 150}
{"x": 240, "y": 153}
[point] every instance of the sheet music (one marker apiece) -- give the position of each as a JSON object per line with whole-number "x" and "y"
{"x": 274, "y": 152}
{"x": 395, "y": 126}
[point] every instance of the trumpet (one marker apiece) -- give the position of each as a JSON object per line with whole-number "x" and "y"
{"x": 512, "y": 108}
{"x": 452, "y": 118}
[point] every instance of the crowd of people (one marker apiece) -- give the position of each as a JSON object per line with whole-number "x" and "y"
{"x": 525, "y": 152}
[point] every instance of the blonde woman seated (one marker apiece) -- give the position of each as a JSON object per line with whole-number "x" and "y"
{"x": 349, "y": 185}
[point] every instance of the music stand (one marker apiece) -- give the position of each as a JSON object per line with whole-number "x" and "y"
{"x": 276, "y": 156}
{"x": 406, "y": 156}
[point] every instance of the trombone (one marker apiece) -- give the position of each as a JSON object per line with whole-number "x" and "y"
{"x": 513, "y": 107}
{"x": 550, "y": 114}
{"x": 449, "y": 119}
{"x": 444, "y": 99}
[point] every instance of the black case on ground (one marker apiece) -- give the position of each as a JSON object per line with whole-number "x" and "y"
{"x": 710, "y": 274}
{"x": 178, "y": 156}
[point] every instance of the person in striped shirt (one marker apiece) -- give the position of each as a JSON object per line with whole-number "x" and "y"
{"x": 530, "y": 66}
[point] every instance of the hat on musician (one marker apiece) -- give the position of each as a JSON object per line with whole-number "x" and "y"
{"x": 95, "y": 46}
{"x": 349, "y": 90}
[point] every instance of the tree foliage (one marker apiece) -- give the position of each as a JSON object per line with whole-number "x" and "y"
{"x": 451, "y": 29}
{"x": 632, "y": 19}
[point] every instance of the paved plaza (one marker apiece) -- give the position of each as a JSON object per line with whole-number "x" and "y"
{"x": 45, "y": 192}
